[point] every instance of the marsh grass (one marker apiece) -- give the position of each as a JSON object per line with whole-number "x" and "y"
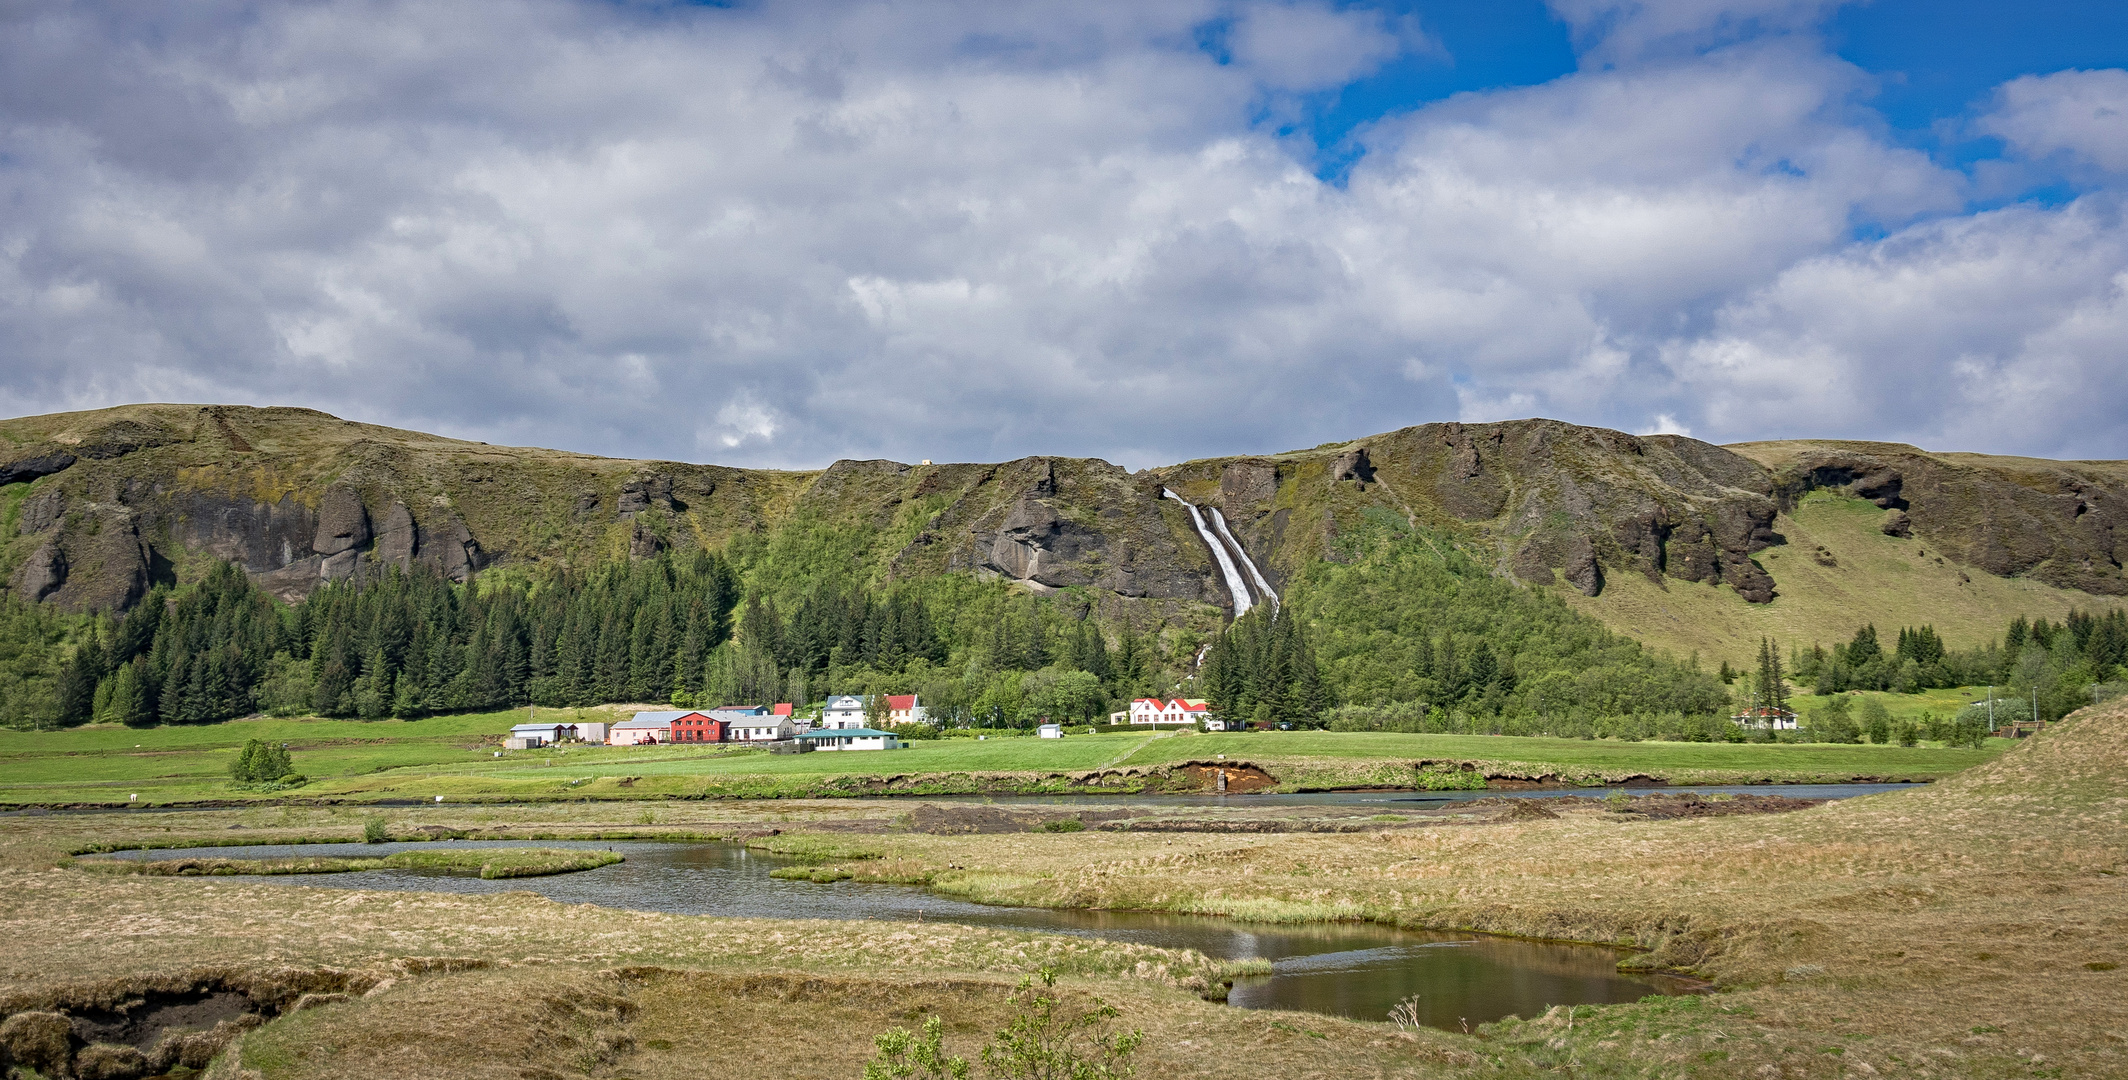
{"x": 1971, "y": 929}
{"x": 489, "y": 863}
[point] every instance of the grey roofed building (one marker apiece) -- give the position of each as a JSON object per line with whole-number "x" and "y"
{"x": 657, "y": 718}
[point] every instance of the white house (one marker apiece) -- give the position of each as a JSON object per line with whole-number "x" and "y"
{"x": 850, "y": 738}
{"x": 905, "y": 709}
{"x": 592, "y": 732}
{"x": 1764, "y": 719}
{"x": 843, "y": 711}
{"x": 1178, "y": 711}
{"x": 645, "y": 727}
{"x": 528, "y": 736}
{"x": 1050, "y": 731}
{"x": 755, "y": 727}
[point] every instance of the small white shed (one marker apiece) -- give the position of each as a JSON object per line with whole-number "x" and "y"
{"x": 1050, "y": 731}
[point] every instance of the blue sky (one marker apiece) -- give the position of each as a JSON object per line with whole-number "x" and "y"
{"x": 782, "y": 233}
{"x": 1933, "y": 63}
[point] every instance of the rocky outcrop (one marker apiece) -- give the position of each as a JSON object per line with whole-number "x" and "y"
{"x": 1353, "y": 465}
{"x": 2063, "y": 523}
{"x": 117, "y": 497}
{"x": 1576, "y": 500}
{"x": 399, "y": 538}
{"x": 41, "y": 511}
{"x": 33, "y": 465}
{"x": 43, "y": 574}
{"x": 343, "y": 531}
{"x": 1245, "y": 485}
{"x": 645, "y": 493}
{"x": 1063, "y": 523}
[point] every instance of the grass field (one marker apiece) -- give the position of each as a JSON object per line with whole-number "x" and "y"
{"x": 1973, "y": 929}
{"x": 458, "y": 757}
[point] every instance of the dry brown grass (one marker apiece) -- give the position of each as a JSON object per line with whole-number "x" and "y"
{"x": 655, "y": 1024}
{"x": 1963, "y": 930}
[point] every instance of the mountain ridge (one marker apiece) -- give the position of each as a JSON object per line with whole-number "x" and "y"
{"x": 103, "y": 503}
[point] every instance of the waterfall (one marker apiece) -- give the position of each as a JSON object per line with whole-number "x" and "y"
{"x": 1226, "y": 551}
{"x": 1263, "y": 586}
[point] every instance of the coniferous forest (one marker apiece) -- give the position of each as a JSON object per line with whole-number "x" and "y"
{"x": 1403, "y": 630}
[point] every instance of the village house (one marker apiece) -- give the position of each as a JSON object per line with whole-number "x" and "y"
{"x": 843, "y": 711}
{"x": 905, "y": 709}
{"x": 1176, "y": 711}
{"x": 850, "y": 738}
{"x": 694, "y": 727}
{"x": 530, "y": 736}
{"x": 1763, "y": 718}
{"x": 592, "y": 732}
{"x": 646, "y": 727}
{"x": 748, "y": 727}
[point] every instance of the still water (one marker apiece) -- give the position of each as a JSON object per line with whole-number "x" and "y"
{"x": 1357, "y": 970}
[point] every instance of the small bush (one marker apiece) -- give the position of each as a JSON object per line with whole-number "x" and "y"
{"x": 1066, "y": 825}
{"x": 260, "y": 763}
{"x": 373, "y": 831}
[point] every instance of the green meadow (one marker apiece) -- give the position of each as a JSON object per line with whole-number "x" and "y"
{"x": 460, "y": 757}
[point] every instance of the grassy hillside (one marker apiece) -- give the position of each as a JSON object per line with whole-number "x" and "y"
{"x": 1837, "y": 572}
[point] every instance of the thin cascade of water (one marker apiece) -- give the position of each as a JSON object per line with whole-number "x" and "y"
{"x": 1237, "y": 586}
{"x": 1263, "y": 585}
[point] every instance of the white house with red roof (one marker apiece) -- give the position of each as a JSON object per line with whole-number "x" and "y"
{"x": 1152, "y": 710}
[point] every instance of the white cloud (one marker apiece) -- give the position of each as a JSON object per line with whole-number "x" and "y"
{"x": 781, "y": 234}
{"x": 2083, "y": 114}
{"x": 1302, "y": 46}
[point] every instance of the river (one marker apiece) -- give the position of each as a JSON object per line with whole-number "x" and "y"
{"x": 1356, "y": 970}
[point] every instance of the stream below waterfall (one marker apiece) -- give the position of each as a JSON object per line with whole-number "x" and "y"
{"x": 1356, "y": 970}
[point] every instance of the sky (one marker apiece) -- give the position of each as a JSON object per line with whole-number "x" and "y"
{"x": 775, "y": 235}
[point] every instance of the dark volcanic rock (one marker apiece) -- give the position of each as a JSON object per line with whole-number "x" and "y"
{"x": 1243, "y": 485}
{"x": 43, "y": 574}
{"x": 343, "y": 522}
{"x": 399, "y": 537}
{"x": 41, "y": 463}
{"x": 450, "y": 547}
{"x": 1352, "y": 465}
{"x": 643, "y": 543}
{"x": 644, "y": 494}
{"x": 41, "y": 511}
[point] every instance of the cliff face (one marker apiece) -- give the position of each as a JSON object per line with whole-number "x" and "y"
{"x": 102, "y": 505}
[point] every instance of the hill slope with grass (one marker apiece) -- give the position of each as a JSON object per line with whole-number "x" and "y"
{"x": 1687, "y": 545}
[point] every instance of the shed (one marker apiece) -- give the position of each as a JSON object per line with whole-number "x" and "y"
{"x": 1050, "y": 731}
{"x": 542, "y": 734}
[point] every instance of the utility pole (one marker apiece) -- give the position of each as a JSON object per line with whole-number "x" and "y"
{"x": 1991, "y": 710}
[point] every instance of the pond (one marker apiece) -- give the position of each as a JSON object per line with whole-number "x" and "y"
{"x": 1357, "y": 970}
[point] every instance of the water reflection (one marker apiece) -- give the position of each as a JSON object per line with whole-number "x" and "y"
{"x": 1357, "y": 970}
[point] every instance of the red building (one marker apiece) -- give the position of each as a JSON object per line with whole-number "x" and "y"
{"x": 694, "y": 727}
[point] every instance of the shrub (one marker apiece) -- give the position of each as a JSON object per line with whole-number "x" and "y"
{"x": 912, "y": 732}
{"x": 260, "y": 763}
{"x": 373, "y": 831}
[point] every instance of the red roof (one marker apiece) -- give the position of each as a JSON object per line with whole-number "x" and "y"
{"x": 783, "y": 708}
{"x": 900, "y": 702}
